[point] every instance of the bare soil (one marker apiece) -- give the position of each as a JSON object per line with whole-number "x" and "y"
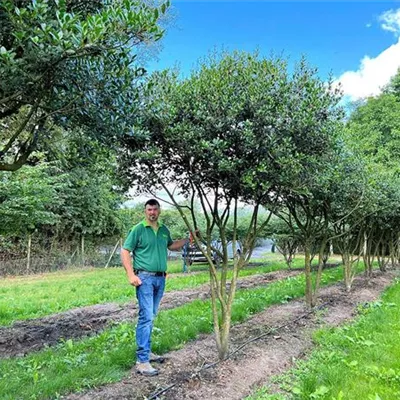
{"x": 280, "y": 335}
{"x": 32, "y": 335}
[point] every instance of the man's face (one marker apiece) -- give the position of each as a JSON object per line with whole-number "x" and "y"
{"x": 152, "y": 213}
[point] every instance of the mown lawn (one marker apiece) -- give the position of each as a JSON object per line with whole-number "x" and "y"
{"x": 359, "y": 361}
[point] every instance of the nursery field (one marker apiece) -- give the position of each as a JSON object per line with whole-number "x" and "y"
{"x": 71, "y": 335}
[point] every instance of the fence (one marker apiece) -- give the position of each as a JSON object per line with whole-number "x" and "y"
{"x": 37, "y": 257}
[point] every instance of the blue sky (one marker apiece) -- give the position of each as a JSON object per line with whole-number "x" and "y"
{"x": 357, "y": 41}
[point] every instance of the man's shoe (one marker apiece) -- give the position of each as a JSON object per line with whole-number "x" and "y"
{"x": 156, "y": 358}
{"x": 146, "y": 369}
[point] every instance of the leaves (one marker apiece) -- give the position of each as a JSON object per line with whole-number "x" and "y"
{"x": 28, "y": 199}
{"x": 239, "y": 123}
{"x": 72, "y": 62}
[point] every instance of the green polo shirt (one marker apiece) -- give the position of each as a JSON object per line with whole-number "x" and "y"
{"x": 149, "y": 248}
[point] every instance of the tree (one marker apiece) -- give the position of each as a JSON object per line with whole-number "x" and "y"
{"x": 373, "y": 134}
{"x": 27, "y": 201}
{"x": 372, "y": 130}
{"x": 305, "y": 181}
{"x": 93, "y": 192}
{"x": 352, "y": 200}
{"x": 286, "y": 239}
{"x": 28, "y": 198}
{"x": 71, "y": 63}
{"x": 232, "y": 132}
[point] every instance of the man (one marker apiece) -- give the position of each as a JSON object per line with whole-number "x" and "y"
{"x": 148, "y": 242}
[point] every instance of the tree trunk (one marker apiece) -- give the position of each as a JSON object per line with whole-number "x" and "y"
{"x": 365, "y": 250}
{"x": 392, "y": 252}
{"x": 73, "y": 255}
{"x": 289, "y": 262}
{"x": 224, "y": 334}
{"x": 307, "y": 271}
{"x": 214, "y": 308}
{"x": 321, "y": 265}
{"x": 367, "y": 255}
{"x": 379, "y": 253}
{"x": 347, "y": 272}
{"x": 398, "y": 249}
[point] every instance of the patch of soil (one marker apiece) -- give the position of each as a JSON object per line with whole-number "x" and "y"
{"x": 250, "y": 265}
{"x": 31, "y": 335}
{"x": 286, "y": 331}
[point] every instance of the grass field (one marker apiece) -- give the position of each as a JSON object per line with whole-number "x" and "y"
{"x": 36, "y": 296}
{"x": 359, "y": 361}
{"x": 77, "y": 364}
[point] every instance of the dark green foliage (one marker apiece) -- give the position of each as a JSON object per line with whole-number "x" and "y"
{"x": 61, "y": 201}
{"x": 373, "y": 135}
{"x": 72, "y": 63}
{"x": 240, "y": 123}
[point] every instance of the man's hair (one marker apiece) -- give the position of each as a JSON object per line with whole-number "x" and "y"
{"x": 152, "y": 202}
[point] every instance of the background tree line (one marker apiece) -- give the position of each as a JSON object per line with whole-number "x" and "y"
{"x": 70, "y": 77}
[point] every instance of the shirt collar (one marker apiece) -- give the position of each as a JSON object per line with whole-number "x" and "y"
{"x": 145, "y": 224}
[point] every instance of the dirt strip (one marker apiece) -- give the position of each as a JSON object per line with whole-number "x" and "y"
{"x": 32, "y": 335}
{"x": 256, "y": 363}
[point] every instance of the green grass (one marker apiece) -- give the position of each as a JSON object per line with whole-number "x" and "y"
{"x": 75, "y": 365}
{"x": 40, "y": 295}
{"x": 360, "y": 361}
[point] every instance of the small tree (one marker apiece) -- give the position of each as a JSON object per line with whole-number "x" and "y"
{"x": 352, "y": 199}
{"x": 285, "y": 239}
{"x": 306, "y": 185}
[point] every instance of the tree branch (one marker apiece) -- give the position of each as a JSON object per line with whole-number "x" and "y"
{"x": 19, "y": 162}
{"x": 19, "y": 130}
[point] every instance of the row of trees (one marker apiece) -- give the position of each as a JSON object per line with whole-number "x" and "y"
{"x": 243, "y": 129}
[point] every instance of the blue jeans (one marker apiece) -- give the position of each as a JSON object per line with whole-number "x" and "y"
{"x": 149, "y": 295}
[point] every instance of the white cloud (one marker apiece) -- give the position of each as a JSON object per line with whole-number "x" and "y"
{"x": 372, "y": 75}
{"x": 391, "y": 21}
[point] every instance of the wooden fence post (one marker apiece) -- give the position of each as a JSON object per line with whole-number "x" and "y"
{"x": 28, "y": 261}
{"x": 113, "y": 252}
{"x": 83, "y": 249}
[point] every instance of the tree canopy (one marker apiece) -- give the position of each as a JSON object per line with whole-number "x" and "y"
{"x": 70, "y": 63}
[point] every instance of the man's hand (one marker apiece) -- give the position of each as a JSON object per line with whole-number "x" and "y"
{"x": 135, "y": 281}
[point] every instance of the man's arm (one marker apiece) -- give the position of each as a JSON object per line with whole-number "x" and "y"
{"x": 177, "y": 244}
{"x": 126, "y": 259}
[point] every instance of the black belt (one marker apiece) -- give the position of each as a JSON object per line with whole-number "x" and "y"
{"x": 159, "y": 273}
